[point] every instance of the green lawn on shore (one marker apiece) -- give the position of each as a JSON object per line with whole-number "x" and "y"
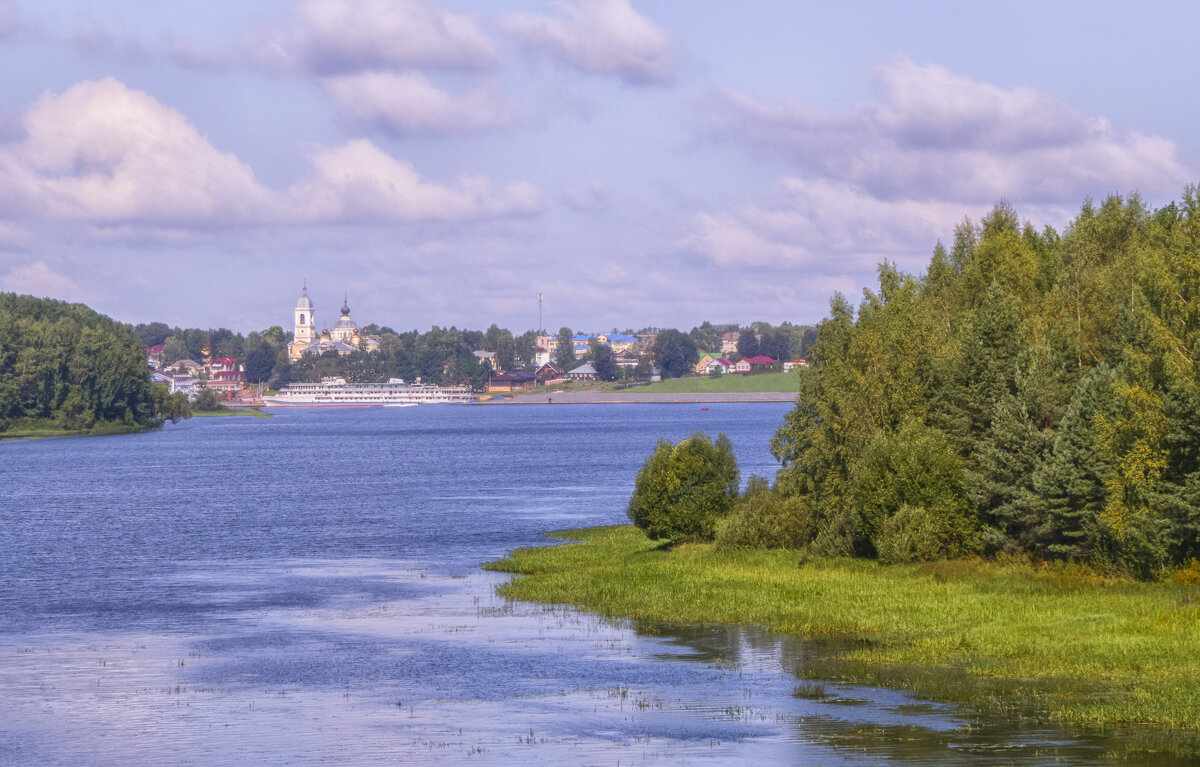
{"x": 253, "y": 411}
{"x": 1057, "y": 642}
{"x": 759, "y": 382}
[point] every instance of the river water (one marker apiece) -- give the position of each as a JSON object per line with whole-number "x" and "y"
{"x": 305, "y": 589}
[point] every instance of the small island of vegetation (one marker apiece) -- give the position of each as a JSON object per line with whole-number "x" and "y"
{"x": 991, "y": 475}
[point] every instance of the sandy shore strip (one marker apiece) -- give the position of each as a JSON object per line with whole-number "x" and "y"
{"x": 592, "y": 397}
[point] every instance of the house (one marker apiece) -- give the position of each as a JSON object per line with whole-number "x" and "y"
{"x": 541, "y": 355}
{"x": 154, "y": 356}
{"x": 793, "y": 364}
{"x": 181, "y": 382}
{"x": 226, "y": 381}
{"x": 487, "y": 358}
{"x": 584, "y": 372}
{"x": 750, "y": 364}
{"x": 549, "y": 372}
{"x": 726, "y": 364}
{"x": 512, "y": 380}
{"x": 222, "y": 365}
{"x": 191, "y": 367}
{"x": 705, "y": 363}
{"x": 729, "y": 342}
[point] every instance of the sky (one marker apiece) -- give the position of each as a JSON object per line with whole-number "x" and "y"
{"x": 639, "y": 163}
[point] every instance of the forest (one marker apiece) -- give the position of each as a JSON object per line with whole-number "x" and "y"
{"x": 1032, "y": 394}
{"x": 66, "y": 367}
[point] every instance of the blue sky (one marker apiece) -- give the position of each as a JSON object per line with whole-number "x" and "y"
{"x": 638, "y": 163}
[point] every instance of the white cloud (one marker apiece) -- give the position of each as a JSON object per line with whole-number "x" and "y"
{"x": 37, "y": 279}
{"x": 599, "y": 37}
{"x": 825, "y": 227}
{"x": 410, "y": 103}
{"x": 360, "y": 182}
{"x": 338, "y": 36}
{"x": 104, "y": 152}
{"x": 112, "y": 156}
{"x": 933, "y": 134}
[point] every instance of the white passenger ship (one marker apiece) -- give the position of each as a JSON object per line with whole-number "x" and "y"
{"x": 336, "y": 392}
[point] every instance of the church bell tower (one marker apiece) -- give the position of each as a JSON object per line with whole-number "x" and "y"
{"x": 306, "y": 327}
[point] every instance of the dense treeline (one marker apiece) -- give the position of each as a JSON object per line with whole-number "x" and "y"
{"x": 65, "y": 366}
{"x": 1030, "y": 393}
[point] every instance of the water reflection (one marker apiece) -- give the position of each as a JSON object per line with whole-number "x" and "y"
{"x": 422, "y": 668}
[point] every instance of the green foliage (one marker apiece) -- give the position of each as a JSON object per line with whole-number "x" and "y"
{"x": 683, "y": 490}
{"x": 564, "y": 351}
{"x": 64, "y": 365}
{"x": 206, "y": 402}
{"x": 1062, "y": 372}
{"x": 914, "y": 467}
{"x": 912, "y": 534}
{"x": 674, "y": 353}
{"x": 602, "y": 360}
{"x": 747, "y": 345}
{"x": 764, "y": 519}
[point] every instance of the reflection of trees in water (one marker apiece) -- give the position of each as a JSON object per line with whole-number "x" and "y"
{"x": 746, "y": 646}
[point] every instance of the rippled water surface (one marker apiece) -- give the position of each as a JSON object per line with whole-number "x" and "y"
{"x": 305, "y": 589}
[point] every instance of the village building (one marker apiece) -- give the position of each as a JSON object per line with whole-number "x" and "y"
{"x": 486, "y": 358}
{"x": 343, "y": 338}
{"x": 584, "y": 372}
{"x": 512, "y": 380}
{"x": 190, "y": 367}
{"x": 729, "y": 342}
{"x": 549, "y": 372}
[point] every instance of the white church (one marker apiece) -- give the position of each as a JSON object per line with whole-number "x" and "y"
{"x": 343, "y": 338}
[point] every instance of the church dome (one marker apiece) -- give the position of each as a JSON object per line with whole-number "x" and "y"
{"x": 304, "y": 302}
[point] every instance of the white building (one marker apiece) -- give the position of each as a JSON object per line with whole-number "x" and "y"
{"x": 344, "y": 338}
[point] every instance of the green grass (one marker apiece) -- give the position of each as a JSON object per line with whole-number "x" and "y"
{"x": 253, "y": 411}
{"x": 759, "y": 382}
{"x": 1060, "y": 643}
{"x": 40, "y": 432}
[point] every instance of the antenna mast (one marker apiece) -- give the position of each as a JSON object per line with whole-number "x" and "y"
{"x": 540, "y": 330}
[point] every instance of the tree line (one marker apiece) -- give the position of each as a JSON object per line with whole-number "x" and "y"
{"x": 65, "y": 366}
{"x": 446, "y": 355}
{"x": 1031, "y": 393}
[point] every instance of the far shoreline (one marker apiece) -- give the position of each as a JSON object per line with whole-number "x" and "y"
{"x": 595, "y": 397}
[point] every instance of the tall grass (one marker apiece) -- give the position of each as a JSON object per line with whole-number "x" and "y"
{"x": 1087, "y": 648}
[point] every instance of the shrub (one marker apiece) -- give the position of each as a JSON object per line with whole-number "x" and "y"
{"x": 912, "y": 534}
{"x": 913, "y": 467}
{"x": 207, "y": 402}
{"x": 764, "y": 519}
{"x": 683, "y": 490}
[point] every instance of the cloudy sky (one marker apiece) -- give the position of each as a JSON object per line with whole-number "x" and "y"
{"x": 638, "y": 162}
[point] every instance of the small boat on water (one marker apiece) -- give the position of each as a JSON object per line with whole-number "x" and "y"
{"x": 337, "y": 392}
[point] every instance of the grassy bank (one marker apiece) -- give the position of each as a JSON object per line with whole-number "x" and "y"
{"x": 39, "y": 432}
{"x": 253, "y": 411}
{"x": 760, "y": 382}
{"x": 1059, "y": 643}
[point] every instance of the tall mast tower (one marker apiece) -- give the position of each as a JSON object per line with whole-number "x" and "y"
{"x": 540, "y": 330}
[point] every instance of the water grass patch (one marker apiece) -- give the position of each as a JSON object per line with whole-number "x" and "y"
{"x": 1055, "y": 643}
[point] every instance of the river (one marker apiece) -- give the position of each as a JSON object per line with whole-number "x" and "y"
{"x": 305, "y": 589}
